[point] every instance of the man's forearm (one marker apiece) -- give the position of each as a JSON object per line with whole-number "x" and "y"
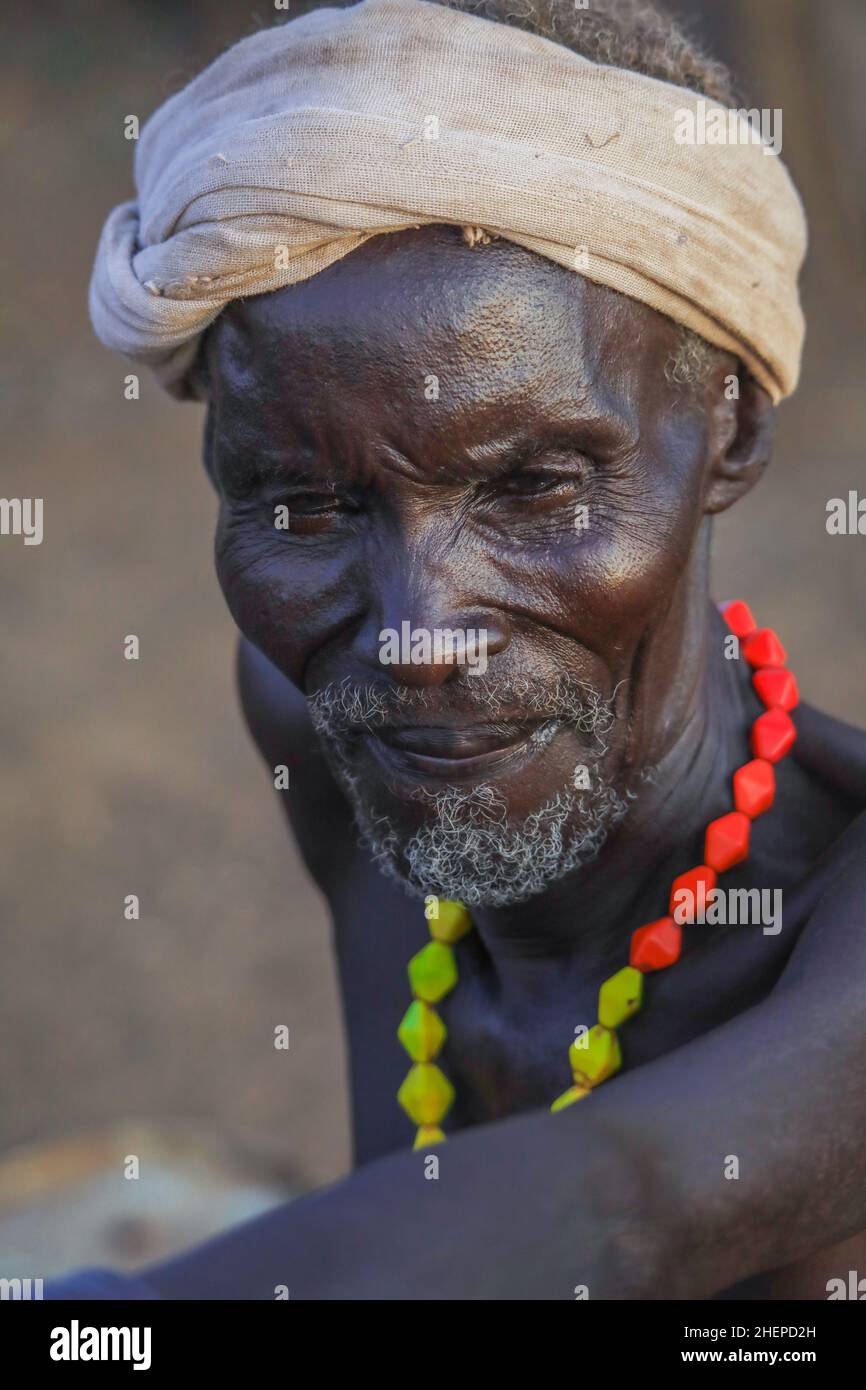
{"x": 780, "y": 1089}
{"x": 526, "y": 1208}
{"x": 630, "y": 1193}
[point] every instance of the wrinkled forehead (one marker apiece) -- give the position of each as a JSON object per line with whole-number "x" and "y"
{"x": 421, "y": 315}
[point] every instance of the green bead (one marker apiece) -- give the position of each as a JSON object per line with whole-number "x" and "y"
{"x": 452, "y": 923}
{"x": 569, "y": 1097}
{"x": 426, "y": 1094}
{"x": 598, "y": 1060}
{"x": 427, "y": 1136}
{"x": 620, "y": 997}
{"x": 421, "y": 1032}
{"x": 433, "y": 971}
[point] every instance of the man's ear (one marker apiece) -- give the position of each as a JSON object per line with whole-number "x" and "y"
{"x": 740, "y": 442}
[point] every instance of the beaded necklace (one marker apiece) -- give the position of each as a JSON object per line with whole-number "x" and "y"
{"x": 426, "y": 1094}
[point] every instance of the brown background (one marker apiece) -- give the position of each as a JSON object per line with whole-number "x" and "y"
{"x": 122, "y": 777}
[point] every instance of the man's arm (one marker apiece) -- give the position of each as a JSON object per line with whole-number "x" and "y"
{"x": 625, "y": 1192}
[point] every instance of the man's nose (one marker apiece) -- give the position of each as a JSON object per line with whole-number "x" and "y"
{"x": 423, "y": 655}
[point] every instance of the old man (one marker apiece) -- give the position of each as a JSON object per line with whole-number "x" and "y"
{"x": 485, "y": 348}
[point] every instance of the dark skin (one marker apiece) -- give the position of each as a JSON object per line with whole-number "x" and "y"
{"x": 458, "y": 512}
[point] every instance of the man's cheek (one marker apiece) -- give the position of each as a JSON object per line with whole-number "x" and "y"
{"x": 632, "y": 562}
{"x": 289, "y": 606}
{"x": 601, "y": 589}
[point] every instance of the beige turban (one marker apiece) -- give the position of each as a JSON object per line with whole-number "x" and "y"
{"x": 303, "y": 141}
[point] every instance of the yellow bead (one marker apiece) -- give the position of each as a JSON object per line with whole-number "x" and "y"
{"x": 598, "y": 1059}
{"x": 620, "y": 997}
{"x": 421, "y": 1032}
{"x": 452, "y": 923}
{"x": 428, "y": 1135}
{"x": 433, "y": 972}
{"x": 426, "y": 1095}
{"x": 569, "y": 1097}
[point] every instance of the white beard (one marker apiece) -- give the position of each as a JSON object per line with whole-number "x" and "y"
{"x": 468, "y": 848}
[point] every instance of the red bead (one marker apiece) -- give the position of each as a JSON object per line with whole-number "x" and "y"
{"x": 699, "y": 882}
{"x": 727, "y": 840}
{"x": 763, "y": 648}
{"x": 777, "y": 688}
{"x": 738, "y": 616}
{"x": 656, "y": 945}
{"x": 754, "y": 787}
{"x": 773, "y": 735}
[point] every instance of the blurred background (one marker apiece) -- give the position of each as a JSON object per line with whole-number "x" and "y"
{"x": 155, "y": 1037}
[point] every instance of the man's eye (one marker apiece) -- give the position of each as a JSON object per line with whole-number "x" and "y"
{"x": 531, "y": 483}
{"x": 537, "y": 482}
{"x": 317, "y": 503}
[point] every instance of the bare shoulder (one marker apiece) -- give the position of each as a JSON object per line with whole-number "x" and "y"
{"x": 834, "y": 753}
{"x": 276, "y": 715}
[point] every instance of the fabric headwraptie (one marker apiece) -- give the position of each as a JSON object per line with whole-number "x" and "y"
{"x": 304, "y": 140}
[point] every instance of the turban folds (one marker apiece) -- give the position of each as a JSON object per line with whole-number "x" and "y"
{"x": 301, "y": 142}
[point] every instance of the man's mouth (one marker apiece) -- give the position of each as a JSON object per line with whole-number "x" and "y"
{"x": 451, "y": 753}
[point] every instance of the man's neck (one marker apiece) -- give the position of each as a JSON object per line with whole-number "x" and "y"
{"x": 583, "y": 921}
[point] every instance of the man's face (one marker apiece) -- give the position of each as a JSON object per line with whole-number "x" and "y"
{"x": 464, "y": 438}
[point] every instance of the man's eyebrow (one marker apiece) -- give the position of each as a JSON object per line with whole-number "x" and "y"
{"x": 582, "y": 433}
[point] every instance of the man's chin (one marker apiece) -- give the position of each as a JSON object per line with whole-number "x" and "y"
{"x": 490, "y": 803}
{"x": 464, "y": 843}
